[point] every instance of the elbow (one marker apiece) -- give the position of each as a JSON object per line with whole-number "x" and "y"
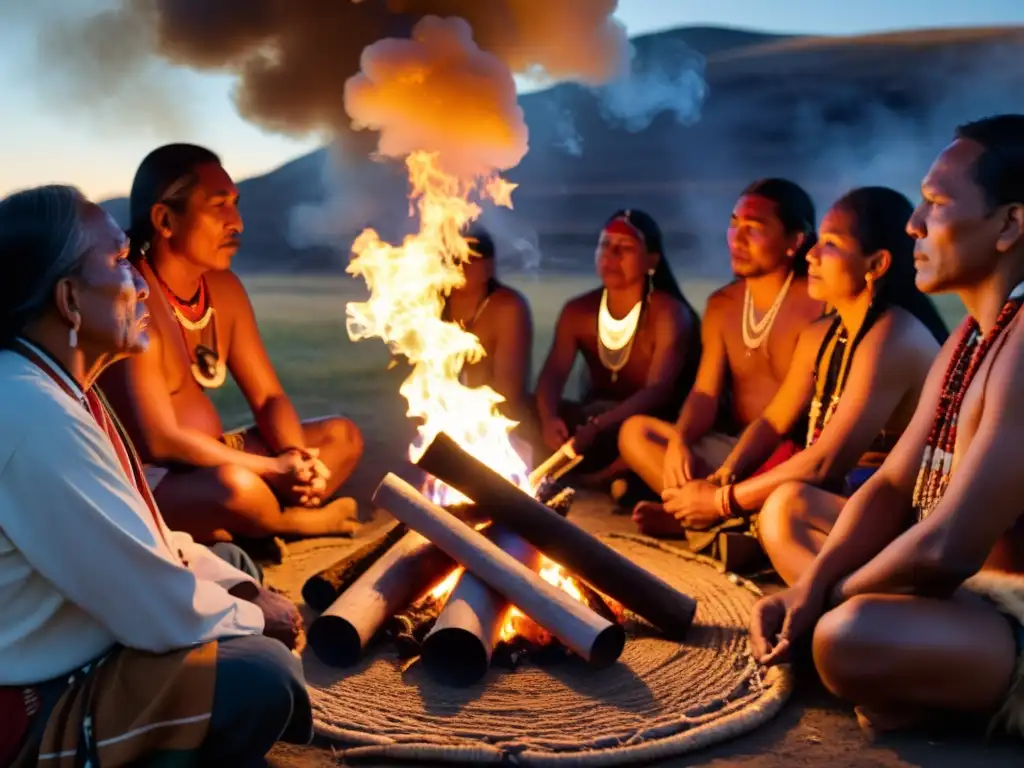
{"x": 164, "y": 446}
{"x": 943, "y": 563}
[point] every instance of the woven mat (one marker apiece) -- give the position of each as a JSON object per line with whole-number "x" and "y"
{"x": 662, "y": 699}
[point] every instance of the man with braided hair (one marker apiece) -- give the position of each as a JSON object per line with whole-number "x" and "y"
{"x": 915, "y": 604}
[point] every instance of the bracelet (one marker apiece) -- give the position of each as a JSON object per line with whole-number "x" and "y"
{"x": 723, "y": 496}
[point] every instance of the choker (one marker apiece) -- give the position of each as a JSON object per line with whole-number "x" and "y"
{"x": 615, "y": 337}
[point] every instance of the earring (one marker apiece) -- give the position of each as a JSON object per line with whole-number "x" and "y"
{"x": 650, "y": 281}
{"x": 73, "y": 337}
{"x": 870, "y": 280}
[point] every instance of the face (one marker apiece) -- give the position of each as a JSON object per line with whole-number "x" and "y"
{"x": 106, "y": 296}
{"x": 758, "y": 243}
{"x": 622, "y": 260}
{"x": 207, "y": 230}
{"x": 837, "y": 268}
{"x": 477, "y": 270}
{"x": 959, "y": 237}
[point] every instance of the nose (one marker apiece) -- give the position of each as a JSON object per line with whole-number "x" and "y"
{"x": 813, "y": 256}
{"x": 915, "y": 225}
{"x": 235, "y": 225}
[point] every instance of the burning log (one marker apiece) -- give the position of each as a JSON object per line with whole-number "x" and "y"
{"x": 595, "y": 639}
{"x": 566, "y": 543}
{"x": 560, "y": 463}
{"x": 458, "y": 649}
{"x": 322, "y": 589}
{"x": 339, "y": 635}
{"x": 409, "y": 628}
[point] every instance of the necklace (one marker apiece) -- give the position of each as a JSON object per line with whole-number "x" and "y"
{"x": 755, "y": 332}
{"x": 193, "y": 314}
{"x": 937, "y": 459}
{"x": 615, "y": 337}
{"x": 817, "y": 419}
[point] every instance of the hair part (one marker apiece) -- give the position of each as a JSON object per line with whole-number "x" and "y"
{"x": 167, "y": 175}
{"x": 43, "y": 240}
{"x": 999, "y": 171}
{"x": 795, "y": 210}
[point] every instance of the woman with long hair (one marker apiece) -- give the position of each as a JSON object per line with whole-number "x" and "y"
{"x": 639, "y": 339}
{"x": 857, "y": 375}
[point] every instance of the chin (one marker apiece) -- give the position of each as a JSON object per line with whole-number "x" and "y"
{"x": 928, "y": 283}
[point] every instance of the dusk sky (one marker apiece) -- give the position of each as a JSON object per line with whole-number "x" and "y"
{"x": 44, "y": 143}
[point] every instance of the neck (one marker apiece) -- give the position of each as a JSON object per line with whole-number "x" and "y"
{"x": 176, "y": 272}
{"x": 985, "y": 299}
{"x": 853, "y": 312}
{"x": 83, "y": 366}
{"x": 764, "y": 288}
{"x": 621, "y": 301}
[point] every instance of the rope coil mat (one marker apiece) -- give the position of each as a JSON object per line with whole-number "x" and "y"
{"x": 661, "y": 700}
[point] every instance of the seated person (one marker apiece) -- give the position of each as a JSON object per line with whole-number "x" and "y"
{"x": 860, "y": 372}
{"x": 639, "y": 339}
{"x": 750, "y": 333}
{"x": 123, "y": 641}
{"x": 499, "y": 316}
{"x": 268, "y": 480}
{"x": 914, "y": 605}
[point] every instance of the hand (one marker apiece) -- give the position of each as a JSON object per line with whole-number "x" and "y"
{"x": 282, "y": 620}
{"x": 586, "y": 434}
{"x": 780, "y": 620}
{"x": 555, "y": 433}
{"x": 696, "y": 505}
{"x": 678, "y": 469}
{"x": 299, "y": 477}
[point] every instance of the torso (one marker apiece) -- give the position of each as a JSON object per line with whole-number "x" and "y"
{"x": 483, "y": 320}
{"x": 756, "y": 375}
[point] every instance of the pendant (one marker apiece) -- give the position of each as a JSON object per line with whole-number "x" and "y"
{"x": 749, "y": 352}
{"x": 615, "y": 376}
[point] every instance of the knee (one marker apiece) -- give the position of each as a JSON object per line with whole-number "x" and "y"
{"x": 343, "y": 432}
{"x": 238, "y": 487}
{"x": 847, "y": 656}
{"x": 633, "y": 435}
{"x": 785, "y": 508}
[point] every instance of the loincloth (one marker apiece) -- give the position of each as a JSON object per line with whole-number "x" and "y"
{"x": 155, "y": 473}
{"x": 1005, "y": 591}
{"x": 127, "y": 707}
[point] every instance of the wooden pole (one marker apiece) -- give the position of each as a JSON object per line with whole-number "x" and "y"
{"x": 458, "y": 649}
{"x": 590, "y": 636}
{"x": 576, "y": 550}
{"x": 408, "y": 569}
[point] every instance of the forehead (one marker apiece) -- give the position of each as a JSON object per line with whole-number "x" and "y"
{"x": 837, "y": 219}
{"x": 619, "y": 238}
{"x": 754, "y": 207}
{"x": 104, "y": 233}
{"x": 212, "y": 179}
{"x": 954, "y": 168}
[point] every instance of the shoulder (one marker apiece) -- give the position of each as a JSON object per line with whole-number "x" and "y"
{"x": 900, "y": 337}
{"x": 225, "y": 284}
{"x": 723, "y": 302}
{"x": 813, "y": 335}
{"x": 667, "y": 308}
{"x": 1008, "y": 355}
{"x": 509, "y": 301}
{"x": 801, "y": 302}
{"x": 582, "y": 305}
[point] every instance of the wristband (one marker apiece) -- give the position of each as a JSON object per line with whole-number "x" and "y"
{"x": 723, "y": 496}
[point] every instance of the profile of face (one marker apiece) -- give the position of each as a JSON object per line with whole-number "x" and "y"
{"x": 477, "y": 269}
{"x": 105, "y": 298}
{"x": 837, "y": 267}
{"x": 959, "y": 235}
{"x": 622, "y": 258}
{"x": 207, "y": 227}
{"x": 758, "y": 241}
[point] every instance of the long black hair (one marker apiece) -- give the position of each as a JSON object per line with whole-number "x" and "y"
{"x": 880, "y": 223}
{"x": 665, "y": 281}
{"x": 795, "y": 210}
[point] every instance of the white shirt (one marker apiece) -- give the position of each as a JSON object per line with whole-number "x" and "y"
{"x": 83, "y": 562}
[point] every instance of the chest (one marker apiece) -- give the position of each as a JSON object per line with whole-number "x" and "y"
{"x": 773, "y": 356}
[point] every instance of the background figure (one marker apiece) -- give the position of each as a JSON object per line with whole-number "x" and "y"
{"x": 499, "y": 316}
{"x": 859, "y": 371}
{"x": 269, "y": 479}
{"x": 640, "y": 342}
{"x": 750, "y": 333}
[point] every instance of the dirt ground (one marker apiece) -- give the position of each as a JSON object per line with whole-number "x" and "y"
{"x": 813, "y": 729}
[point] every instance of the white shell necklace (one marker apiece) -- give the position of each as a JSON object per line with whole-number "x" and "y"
{"x": 755, "y": 332}
{"x": 615, "y": 337}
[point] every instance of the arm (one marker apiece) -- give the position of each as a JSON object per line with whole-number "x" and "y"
{"x": 163, "y": 439}
{"x": 206, "y": 565}
{"x": 763, "y": 434}
{"x": 671, "y": 331}
{"x": 558, "y": 365}
{"x": 698, "y": 414}
{"x": 983, "y": 499}
{"x": 87, "y": 534}
{"x": 875, "y": 388}
{"x": 881, "y": 509}
{"x": 250, "y": 365}
{"x": 513, "y": 353}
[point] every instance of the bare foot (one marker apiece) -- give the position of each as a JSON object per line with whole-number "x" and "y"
{"x": 876, "y": 723}
{"x": 343, "y": 513}
{"x": 653, "y": 520}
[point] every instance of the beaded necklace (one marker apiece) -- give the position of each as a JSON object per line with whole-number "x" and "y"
{"x": 937, "y": 460}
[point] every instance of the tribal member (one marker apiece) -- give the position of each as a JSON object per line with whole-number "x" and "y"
{"x": 124, "y": 642}
{"x": 859, "y": 371}
{"x": 639, "y": 339}
{"x": 916, "y": 601}
{"x": 270, "y": 479}
{"x": 750, "y": 331}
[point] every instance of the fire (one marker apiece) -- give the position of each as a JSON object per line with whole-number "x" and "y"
{"x": 445, "y": 587}
{"x": 408, "y": 284}
{"x": 518, "y": 624}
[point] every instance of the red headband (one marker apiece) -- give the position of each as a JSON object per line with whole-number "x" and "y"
{"x": 623, "y": 226}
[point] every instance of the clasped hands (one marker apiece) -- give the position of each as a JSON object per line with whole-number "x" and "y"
{"x": 301, "y": 478}
{"x": 696, "y": 503}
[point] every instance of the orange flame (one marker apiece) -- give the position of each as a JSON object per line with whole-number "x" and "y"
{"x": 446, "y": 585}
{"x": 407, "y": 285}
{"x": 517, "y": 623}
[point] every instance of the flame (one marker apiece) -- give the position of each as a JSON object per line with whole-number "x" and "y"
{"x": 518, "y": 624}
{"x": 445, "y": 587}
{"x": 408, "y": 284}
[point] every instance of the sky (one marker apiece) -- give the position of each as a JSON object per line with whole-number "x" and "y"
{"x": 46, "y": 144}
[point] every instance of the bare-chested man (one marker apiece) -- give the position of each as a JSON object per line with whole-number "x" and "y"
{"x": 499, "y": 316}
{"x": 270, "y": 479}
{"x": 750, "y": 333}
{"x": 916, "y": 601}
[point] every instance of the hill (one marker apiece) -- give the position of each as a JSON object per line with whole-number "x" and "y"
{"x": 829, "y": 112}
